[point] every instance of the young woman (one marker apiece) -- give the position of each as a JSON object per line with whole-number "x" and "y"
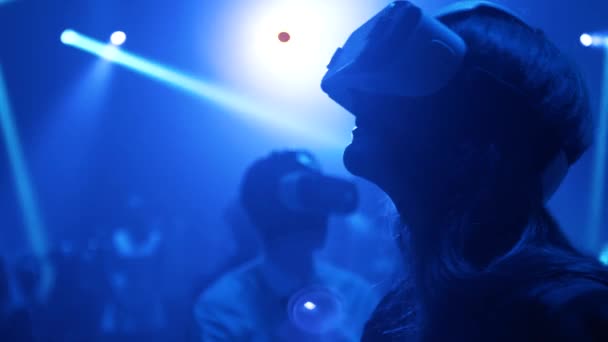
{"x": 470, "y": 168}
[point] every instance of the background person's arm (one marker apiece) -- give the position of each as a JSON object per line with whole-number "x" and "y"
{"x": 218, "y": 322}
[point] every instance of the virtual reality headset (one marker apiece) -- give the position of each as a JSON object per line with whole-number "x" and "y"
{"x": 307, "y": 190}
{"x": 312, "y": 192}
{"x": 400, "y": 51}
{"x": 404, "y": 52}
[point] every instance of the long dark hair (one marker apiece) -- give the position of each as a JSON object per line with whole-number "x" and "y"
{"x": 506, "y": 238}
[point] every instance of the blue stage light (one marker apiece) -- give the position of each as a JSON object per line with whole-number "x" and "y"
{"x": 36, "y": 233}
{"x": 277, "y": 52}
{"x": 23, "y": 184}
{"x": 594, "y": 40}
{"x": 235, "y": 103}
{"x": 68, "y": 37}
{"x": 586, "y": 39}
{"x": 118, "y": 38}
{"x": 308, "y": 34}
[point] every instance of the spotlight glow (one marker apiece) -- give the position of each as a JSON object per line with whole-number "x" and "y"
{"x": 204, "y": 89}
{"x": 599, "y": 41}
{"x": 259, "y": 58}
{"x": 118, "y": 38}
{"x": 301, "y": 61}
{"x": 310, "y": 306}
{"x": 586, "y": 39}
{"x": 594, "y": 40}
{"x": 68, "y": 37}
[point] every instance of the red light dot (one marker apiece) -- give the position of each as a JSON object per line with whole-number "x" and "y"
{"x": 284, "y": 37}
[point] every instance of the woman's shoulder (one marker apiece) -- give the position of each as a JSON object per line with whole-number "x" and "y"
{"x": 567, "y": 308}
{"x": 578, "y": 308}
{"x": 572, "y": 308}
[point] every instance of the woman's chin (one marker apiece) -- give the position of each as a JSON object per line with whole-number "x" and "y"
{"x": 359, "y": 160}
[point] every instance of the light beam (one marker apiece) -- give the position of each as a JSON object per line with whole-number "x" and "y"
{"x": 34, "y": 226}
{"x": 203, "y": 89}
{"x": 599, "y": 172}
{"x": 594, "y": 40}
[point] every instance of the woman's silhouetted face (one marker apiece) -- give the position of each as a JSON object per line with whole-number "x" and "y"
{"x": 402, "y": 145}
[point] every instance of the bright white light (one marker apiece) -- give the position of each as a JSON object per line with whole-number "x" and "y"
{"x": 250, "y": 57}
{"x": 68, "y": 37}
{"x": 586, "y": 39}
{"x": 118, "y": 38}
{"x": 110, "y": 52}
{"x": 301, "y": 58}
{"x": 310, "y": 306}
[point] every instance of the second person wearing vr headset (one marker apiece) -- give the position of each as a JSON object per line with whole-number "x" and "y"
{"x": 288, "y": 293}
{"x": 469, "y": 121}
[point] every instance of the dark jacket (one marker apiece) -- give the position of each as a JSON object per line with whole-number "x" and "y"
{"x": 572, "y": 309}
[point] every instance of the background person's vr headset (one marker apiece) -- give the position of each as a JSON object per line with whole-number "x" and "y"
{"x": 290, "y": 182}
{"x": 309, "y": 191}
{"x": 406, "y": 53}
